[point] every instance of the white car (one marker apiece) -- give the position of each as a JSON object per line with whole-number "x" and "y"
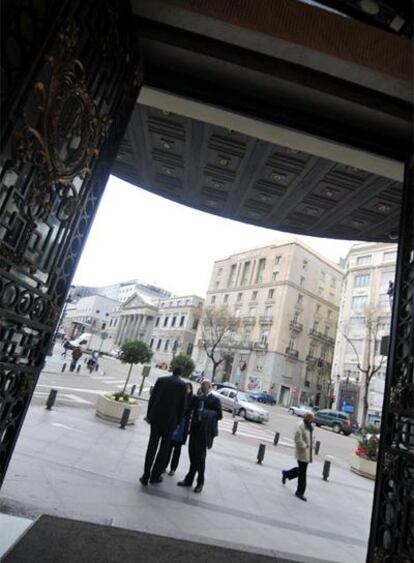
{"x": 242, "y": 404}
{"x": 300, "y": 410}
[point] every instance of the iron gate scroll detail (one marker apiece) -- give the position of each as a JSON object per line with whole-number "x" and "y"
{"x": 55, "y": 161}
{"x": 392, "y": 527}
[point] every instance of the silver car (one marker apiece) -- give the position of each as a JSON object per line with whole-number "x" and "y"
{"x": 242, "y": 404}
{"x": 300, "y": 410}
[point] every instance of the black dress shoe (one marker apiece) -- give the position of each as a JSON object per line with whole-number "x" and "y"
{"x": 198, "y": 489}
{"x": 283, "y": 477}
{"x": 301, "y": 497}
{"x": 184, "y": 484}
{"x": 144, "y": 481}
{"x": 155, "y": 480}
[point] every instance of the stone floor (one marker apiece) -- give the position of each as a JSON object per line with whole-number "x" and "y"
{"x": 70, "y": 463}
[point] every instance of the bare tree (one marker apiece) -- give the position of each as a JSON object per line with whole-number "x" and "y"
{"x": 218, "y": 327}
{"x": 368, "y": 366}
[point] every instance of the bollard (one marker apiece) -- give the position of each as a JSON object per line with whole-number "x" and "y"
{"x": 133, "y": 389}
{"x": 326, "y": 469}
{"x": 235, "y": 425}
{"x": 261, "y": 453}
{"x": 276, "y": 438}
{"x": 317, "y": 447}
{"x": 125, "y": 417}
{"x": 51, "y": 399}
{"x": 78, "y": 369}
{"x": 63, "y": 367}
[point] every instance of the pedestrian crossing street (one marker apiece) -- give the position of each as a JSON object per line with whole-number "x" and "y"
{"x": 252, "y": 430}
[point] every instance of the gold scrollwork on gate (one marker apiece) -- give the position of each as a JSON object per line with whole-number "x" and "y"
{"x": 65, "y": 139}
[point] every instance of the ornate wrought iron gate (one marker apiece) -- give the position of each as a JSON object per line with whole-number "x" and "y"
{"x": 70, "y": 79}
{"x": 392, "y": 526}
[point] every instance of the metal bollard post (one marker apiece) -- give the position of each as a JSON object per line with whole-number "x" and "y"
{"x": 276, "y": 438}
{"x": 326, "y": 469}
{"x": 133, "y": 389}
{"x": 51, "y": 399}
{"x": 63, "y": 367}
{"x": 317, "y": 447}
{"x": 78, "y": 369}
{"x": 261, "y": 453}
{"x": 235, "y": 425}
{"x": 125, "y": 417}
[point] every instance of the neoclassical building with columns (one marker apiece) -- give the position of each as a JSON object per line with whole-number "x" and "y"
{"x": 134, "y": 320}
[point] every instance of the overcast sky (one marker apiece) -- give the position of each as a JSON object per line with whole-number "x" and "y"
{"x": 137, "y": 234}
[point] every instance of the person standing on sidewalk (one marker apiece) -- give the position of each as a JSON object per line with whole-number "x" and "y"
{"x": 76, "y": 355}
{"x": 166, "y": 407}
{"x": 206, "y": 413}
{"x": 303, "y": 454}
{"x": 180, "y": 434}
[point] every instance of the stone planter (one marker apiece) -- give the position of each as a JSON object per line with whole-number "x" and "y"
{"x": 109, "y": 409}
{"x": 364, "y": 467}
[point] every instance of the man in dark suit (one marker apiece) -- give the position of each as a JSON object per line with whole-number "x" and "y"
{"x": 206, "y": 413}
{"x": 166, "y": 408}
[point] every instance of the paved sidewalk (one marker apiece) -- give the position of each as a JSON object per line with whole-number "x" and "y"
{"x": 70, "y": 463}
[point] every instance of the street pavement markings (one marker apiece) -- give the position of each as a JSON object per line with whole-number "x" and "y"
{"x": 65, "y": 397}
{"x": 251, "y": 432}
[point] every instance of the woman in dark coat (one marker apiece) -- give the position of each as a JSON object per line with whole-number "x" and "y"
{"x": 180, "y": 434}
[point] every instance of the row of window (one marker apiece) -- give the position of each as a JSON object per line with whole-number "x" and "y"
{"x": 389, "y": 256}
{"x": 239, "y": 298}
{"x": 174, "y": 320}
{"x": 363, "y": 280}
{"x": 178, "y": 303}
{"x": 361, "y": 301}
{"x": 170, "y": 345}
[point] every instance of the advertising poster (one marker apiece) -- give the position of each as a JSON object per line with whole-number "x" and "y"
{"x": 254, "y": 383}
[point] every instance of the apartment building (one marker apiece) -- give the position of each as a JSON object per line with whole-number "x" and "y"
{"x": 285, "y": 299}
{"x": 175, "y": 327}
{"x": 369, "y": 269}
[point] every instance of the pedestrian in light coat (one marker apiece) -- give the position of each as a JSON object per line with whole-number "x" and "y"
{"x": 303, "y": 454}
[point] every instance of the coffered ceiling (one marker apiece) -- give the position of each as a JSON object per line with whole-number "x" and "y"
{"x": 234, "y": 175}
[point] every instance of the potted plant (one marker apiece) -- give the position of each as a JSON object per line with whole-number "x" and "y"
{"x": 364, "y": 459}
{"x": 111, "y": 405}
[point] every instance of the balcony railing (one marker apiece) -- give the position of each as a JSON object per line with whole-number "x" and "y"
{"x": 324, "y": 337}
{"x": 293, "y": 353}
{"x": 311, "y": 359}
{"x": 295, "y": 326}
{"x": 260, "y": 345}
{"x": 249, "y": 320}
{"x": 266, "y": 320}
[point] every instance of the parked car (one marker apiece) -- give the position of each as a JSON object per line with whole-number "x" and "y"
{"x": 197, "y": 375}
{"x": 224, "y": 385}
{"x": 300, "y": 410}
{"x": 337, "y": 420}
{"x": 263, "y": 397}
{"x": 243, "y": 405}
{"x": 82, "y": 341}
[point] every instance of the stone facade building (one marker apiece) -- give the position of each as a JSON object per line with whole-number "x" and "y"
{"x": 370, "y": 268}
{"x": 175, "y": 327}
{"x": 135, "y": 319}
{"x": 285, "y": 298}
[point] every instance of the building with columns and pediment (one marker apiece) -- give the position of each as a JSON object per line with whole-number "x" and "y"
{"x": 135, "y": 319}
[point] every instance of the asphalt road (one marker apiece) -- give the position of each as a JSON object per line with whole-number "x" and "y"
{"x": 79, "y": 390}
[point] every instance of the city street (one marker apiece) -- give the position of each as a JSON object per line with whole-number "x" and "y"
{"x": 70, "y": 463}
{"x": 80, "y": 390}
